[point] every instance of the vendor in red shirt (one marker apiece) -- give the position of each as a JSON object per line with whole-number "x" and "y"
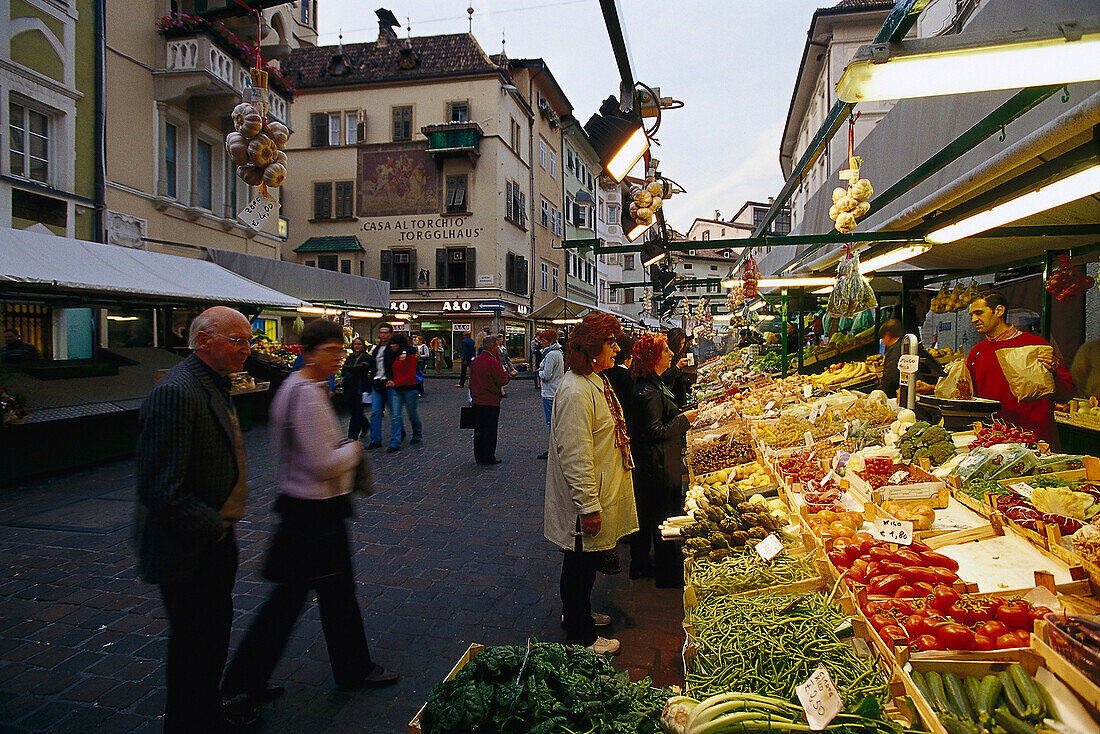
{"x": 988, "y": 316}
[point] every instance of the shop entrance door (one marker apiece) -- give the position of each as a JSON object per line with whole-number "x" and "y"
{"x": 430, "y": 331}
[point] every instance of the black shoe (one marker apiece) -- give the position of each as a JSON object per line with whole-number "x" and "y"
{"x": 545, "y": 455}
{"x": 392, "y": 449}
{"x": 377, "y": 677}
{"x": 492, "y": 462}
{"x": 373, "y": 446}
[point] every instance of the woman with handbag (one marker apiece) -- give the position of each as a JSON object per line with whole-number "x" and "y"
{"x": 356, "y": 373}
{"x": 316, "y": 470}
{"x": 589, "y": 494}
{"x": 400, "y": 365}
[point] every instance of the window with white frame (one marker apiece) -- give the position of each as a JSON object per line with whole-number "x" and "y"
{"x": 544, "y": 275}
{"x": 628, "y": 261}
{"x": 29, "y": 146}
{"x": 569, "y": 209}
{"x": 351, "y": 128}
{"x": 543, "y": 148}
{"x": 204, "y": 174}
{"x": 556, "y": 281}
{"x": 171, "y": 133}
{"x": 459, "y": 111}
{"x": 552, "y": 163}
{"x": 456, "y": 193}
{"x": 516, "y": 136}
{"x": 557, "y": 226}
{"x": 544, "y": 213}
{"x": 515, "y": 206}
{"x": 402, "y": 123}
{"x": 613, "y": 214}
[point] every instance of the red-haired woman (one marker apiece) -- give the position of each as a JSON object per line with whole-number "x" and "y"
{"x": 589, "y": 496}
{"x": 657, "y": 428}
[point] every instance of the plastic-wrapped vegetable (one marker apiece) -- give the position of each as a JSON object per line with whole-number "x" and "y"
{"x": 852, "y": 292}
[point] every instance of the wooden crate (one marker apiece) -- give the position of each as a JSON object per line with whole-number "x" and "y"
{"x": 930, "y": 491}
{"x": 1081, "y": 684}
{"x": 471, "y": 653}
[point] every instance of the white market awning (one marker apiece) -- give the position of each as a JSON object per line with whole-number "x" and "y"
{"x": 35, "y": 263}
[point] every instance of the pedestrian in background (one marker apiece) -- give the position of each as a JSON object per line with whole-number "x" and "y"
{"x": 423, "y": 354}
{"x": 438, "y": 346}
{"x": 400, "y": 364}
{"x": 657, "y": 430}
{"x": 681, "y": 375}
{"x": 619, "y": 374}
{"x": 468, "y": 352}
{"x": 379, "y": 396}
{"x": 315, "y": 470}
{"x": 487, "y": 381}
{"x": 191, "y": 490}
{"x": 356, "y": 372}
{"x": 504, "y": 357}
{"x": 551, "y": 371}
{"x": 536, "y": 358}
{"x": 589, "y": 496}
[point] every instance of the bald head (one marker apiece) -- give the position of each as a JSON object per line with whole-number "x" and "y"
{"x": 220, "y": 337}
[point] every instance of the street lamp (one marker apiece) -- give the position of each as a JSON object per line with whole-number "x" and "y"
{"x": 617, "y": 137}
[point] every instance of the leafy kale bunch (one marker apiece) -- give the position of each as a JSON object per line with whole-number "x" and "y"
{"x": 563, "y": 690}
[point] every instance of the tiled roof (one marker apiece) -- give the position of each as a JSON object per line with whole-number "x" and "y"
{"x": 445, "y": 55}
{"x": 333, "y": 243}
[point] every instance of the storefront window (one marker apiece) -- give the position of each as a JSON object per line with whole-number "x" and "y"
{"x": 129, "y": 328}
{"x": 515, "y": 338}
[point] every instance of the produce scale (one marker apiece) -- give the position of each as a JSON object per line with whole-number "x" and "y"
{"x": 848, "y": 568}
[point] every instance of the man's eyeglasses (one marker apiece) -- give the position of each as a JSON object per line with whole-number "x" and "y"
{"x": 237, "y": 341}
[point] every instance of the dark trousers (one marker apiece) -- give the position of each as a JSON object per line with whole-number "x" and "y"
{"x": 341, "y": 621}
{"x": 578, "y": 576}
{"x": 486, "y": 418}
{"x": 655, "y": 505}
{"x": 200, "y": 615}
{"x": 462, "y": 377}
{"x": 358, "y": 423}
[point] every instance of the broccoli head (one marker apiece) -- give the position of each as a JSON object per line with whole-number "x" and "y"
{"x": 907, "y": 450}
{"x": 935, "y": 434}
{"x": 943, "y": 451}
{"x": 921, "y": 453}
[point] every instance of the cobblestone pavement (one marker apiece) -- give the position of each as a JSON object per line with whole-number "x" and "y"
{"x": 448, "y": 553}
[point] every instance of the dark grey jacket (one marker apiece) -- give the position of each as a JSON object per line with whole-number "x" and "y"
{"x": 186, "y": 468}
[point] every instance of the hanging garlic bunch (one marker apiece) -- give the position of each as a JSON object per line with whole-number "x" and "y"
{"x": 853, "y": 202}
{"x": 256, "y": 147}
{"x": 646, "y": 201}
{"x": 647, "y": 303}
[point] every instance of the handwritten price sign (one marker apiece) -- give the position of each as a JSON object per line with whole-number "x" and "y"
{"x": 819, "y": 699}
{"x": 893, "y": 531}
{"x": 908, "y": 363}
{"x": 769, "y": 547}
{"x": 259, "y": 211}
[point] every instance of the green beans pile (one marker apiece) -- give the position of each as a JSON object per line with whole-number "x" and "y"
{"x": 747, "y": 571}
{"x": 746, "y": 644}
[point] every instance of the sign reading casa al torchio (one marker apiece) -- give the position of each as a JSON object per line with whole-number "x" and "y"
{"x": 419, "y": 229}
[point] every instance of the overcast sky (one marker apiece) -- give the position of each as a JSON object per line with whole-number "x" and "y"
{"x": 732, "y": 62}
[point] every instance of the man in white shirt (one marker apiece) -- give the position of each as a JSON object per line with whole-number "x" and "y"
{"x": 551, "y": 370}
{"x": 378, "y": 394}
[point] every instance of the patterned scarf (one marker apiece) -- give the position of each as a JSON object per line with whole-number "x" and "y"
{"x": 622, "y": 439}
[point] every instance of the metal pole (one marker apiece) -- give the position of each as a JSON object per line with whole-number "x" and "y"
{"x": 801, "y": 340}
{"x": 909, "y": 393}
{"x": 1047, "y": 302}
{"x": 783, "y": 331}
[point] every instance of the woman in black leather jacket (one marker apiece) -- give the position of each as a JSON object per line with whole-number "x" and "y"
{"x": 657, "y": 429}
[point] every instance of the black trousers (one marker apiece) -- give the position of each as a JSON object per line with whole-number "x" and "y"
{"x": 462, "y": 377}
{"x": 358, "y": 424}
{"x": 341, "y": 621}
{"x": 486, "y": 418}
{"x": 578, "y": 576}
{"x": 655, "y": 505}
{"x": 200, "y": 616}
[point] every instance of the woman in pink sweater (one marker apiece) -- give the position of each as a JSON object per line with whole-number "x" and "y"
{"x": 316, "y": 468}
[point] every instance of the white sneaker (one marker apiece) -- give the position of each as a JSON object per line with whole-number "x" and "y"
{"x": 603, "y": 646}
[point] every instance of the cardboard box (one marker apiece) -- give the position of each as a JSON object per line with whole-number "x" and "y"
{"x": 471, "y": 652}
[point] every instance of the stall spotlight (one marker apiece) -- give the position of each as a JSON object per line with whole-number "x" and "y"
{"x": 618, "y": 139}
{"x": 1064, "y": 190}
{"x": 799, "y": 282}
{"x": 723, "y": 318}
{"x": 973, "y": 62}
{"x": 565, "y": 321}
{"x": 123, "y": 318}
{"x": 365, "y": 314}
{"x": 767, "y": 317}
{"x": 652, "y": 253}
{"x": 758, "y": 305}
{"x": 311, "y": 309}
{"x": 892, "y": 258}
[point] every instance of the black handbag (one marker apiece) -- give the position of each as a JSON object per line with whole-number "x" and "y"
{"x": 466, "y": 416}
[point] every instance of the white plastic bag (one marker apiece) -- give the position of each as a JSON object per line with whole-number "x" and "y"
{"x": 956, "y": 384}
{"x": 1027, "y": 377}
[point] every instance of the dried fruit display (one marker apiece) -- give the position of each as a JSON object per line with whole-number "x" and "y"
{"x": 719, "y": 454}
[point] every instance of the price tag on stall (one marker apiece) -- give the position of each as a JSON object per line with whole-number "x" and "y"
{"x": 828, "y": 477}
{"x": 769, "y": 547}
{"x": 259, "y": 211}
{"x": 807, "y": 391}
{"x": 893, "y": 531}
{"x": 908, "y": 364}
{"x": 819, "y": 698}
{"x": 1023, "y": 489}
{"x": 809, "y": 438}
{"x": 815, "y": 412}
{"x": 847, "y": 429}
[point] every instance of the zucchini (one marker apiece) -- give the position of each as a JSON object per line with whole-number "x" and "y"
{"x": 1047, "y": 700}
{"x": 1011, "y": 724}
{"x": 954, "y": 726}
{"x": 973, "y": 687}
{"x": 935, "y": 686}
{"x": 1012, "y": 696}
{"x": 953, "y": 687}
{"x": 922, "y": 687}
{"x": 1034, "y": 707}
{"x": 987, "y": 699}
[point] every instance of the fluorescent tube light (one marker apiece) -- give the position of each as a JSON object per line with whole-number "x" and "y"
{"x": 311, "y": 309}
{"x": 823, "y": 291}
{"x": 893, "y": 257}
{"x": 786, "y": 282}
{"x": 565, "y": 321}
{"x": 758, "y": 305}
{"x": 972, "y": 62}
{"x": 123, "y": 318}
{"x": 1064, "y": 190}
{"x": 365, "y": 314}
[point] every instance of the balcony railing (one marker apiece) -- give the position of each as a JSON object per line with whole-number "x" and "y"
{"x": 454, "y": 139}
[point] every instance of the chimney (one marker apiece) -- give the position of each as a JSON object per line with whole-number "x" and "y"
{"x": 386, "y": 24}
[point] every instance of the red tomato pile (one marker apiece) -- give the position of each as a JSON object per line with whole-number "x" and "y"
{"x": 799, "y": 468}
{"x": 1002, "y": 433}
{"x": 909, "y": 598}
{"x": 878, "y": 472}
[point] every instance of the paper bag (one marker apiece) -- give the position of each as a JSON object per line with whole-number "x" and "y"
{"x": 956, "y": 384}
{"x": 1027, "y": 377}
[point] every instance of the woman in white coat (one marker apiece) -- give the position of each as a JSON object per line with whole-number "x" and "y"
{"x": 589, "y": 493}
